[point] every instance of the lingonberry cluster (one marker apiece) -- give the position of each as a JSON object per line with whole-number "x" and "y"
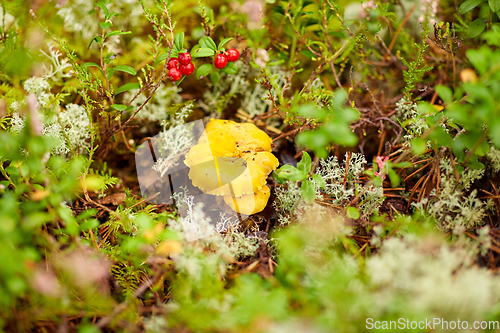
{"x": 179, "y": 66}
{"x": 221, "y": 59}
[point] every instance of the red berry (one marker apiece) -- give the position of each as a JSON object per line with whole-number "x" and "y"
{"x": 173, "y": 63}
{"x": 220, "y": 61}
{"x": 174, "y": 74}
{"x": 184, "y": 58}
{"x": 187, "y": 69}
{"x": 233, "y": 55}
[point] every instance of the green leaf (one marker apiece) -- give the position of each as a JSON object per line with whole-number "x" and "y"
{"x": 86, "y": 214}
{"x": 90, "y": 64}
{"x": 469, "y": 139}
{"x": 89, "y": 328}
{"x": 109, "y": 57}
{"x": 378, "y": 181}
{"x": 479, "y": 59}
{"x": 174, "y": 53}
{"x": 308, "y": 192}
{"x": 208, "y": 42}
{"x": 441, "y": 137}
{"x": 106, "y": 12}
{"x": 161, "y": 57}
{"x": 403, "y": 165}
{"x": 339, "y": 98}
{"x": 67, "y": 216}
{"x": 474, "y": 163}
{"x": 418, "y": 146}
{"x": 291, "y": 173}
{"x": 203, "y": 52}
{"x": 223, "y": 43}
{"x": 307, "y": 53}
{"x": 96, "y": 38}
{"x": 352, "y": 213}
{"x": 214, "y": 76}
{"x": 315, "y": 140}
{"x": 128, "y": 87}
{"x": 492, "y": 36}
{"x": 494, "y": 5}
{"x": 230, "y": 68}
{"x": 110, "y": 15}
{"x": 179, "y": 41}
{"x": 494, "y": 131}
{"x": 425, "y": 109}
{"x": 305, "y": 163}
{"x": 89, "y": 224}
{"x": 483, "y": 148}
{"x": 12, "y": 170}
{"x": 197, "y": 32}
{"x": 277, "y": 178}
{"x": 119, "y": 107}
{"x": 393, "y": 176}
{"x": 319, "y": 180}
{"x": 476, "y": 27}
{"x": 469, "y": 5}
{"x": 340, "y": 133}
{"x": 347, "y": 115}
{"x": 311, "y": 111}
{"x": 117, "y": 33}
{"x": 203, "y": 70}
{"x": 445, "y": 93}
{"x": 124, "y": 68}
{"x": 105, "y": 25}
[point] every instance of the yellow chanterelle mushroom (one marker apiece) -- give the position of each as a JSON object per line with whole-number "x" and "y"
{"x": 249, "y": 204}
{"x": 233, "y": 160}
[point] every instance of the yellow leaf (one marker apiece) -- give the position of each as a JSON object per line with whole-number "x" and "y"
{"x": 169, "y": 247}
{"x": 438, "y": 107}
{"x": 152, "y": 234}
{"x": 39, "y": 195}
{"x": 468, "y": 75}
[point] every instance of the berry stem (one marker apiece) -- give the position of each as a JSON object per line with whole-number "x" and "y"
{"x": 180, "y": 80}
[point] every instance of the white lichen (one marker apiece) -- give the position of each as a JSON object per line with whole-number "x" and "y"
{"x": 451, "y": 205}
{"x": 340, "y": 185}
{"x": 76, "y": 127}
{"x": 58, "y": 64}
{"x": 36, "y": 85}
{"x": 174, "y": 141}
{"x": 432, "y": 277}
{"x": 71, "y": 129}
{"x": 204, "y": 249}
{"x": 494, "y": 157}
{"x": 288, "y": 199}
{"x": 158, "y": 108}
{"x": 413, "y": 123}
{"x": 16, "y": 123}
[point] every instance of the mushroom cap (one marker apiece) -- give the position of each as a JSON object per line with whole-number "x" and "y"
{"x": 247, "y": 136}
{"x": 233, "y": 175}
{"x": 200, "y": 153}
{"x": 233, "y": 160}
{"x": 222, "y": 143}
{"x": 260, "y": 165}
{"x": 217, "y": 176}
{"x": 251, "y": 138}
{"x": 249, "y": 204}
